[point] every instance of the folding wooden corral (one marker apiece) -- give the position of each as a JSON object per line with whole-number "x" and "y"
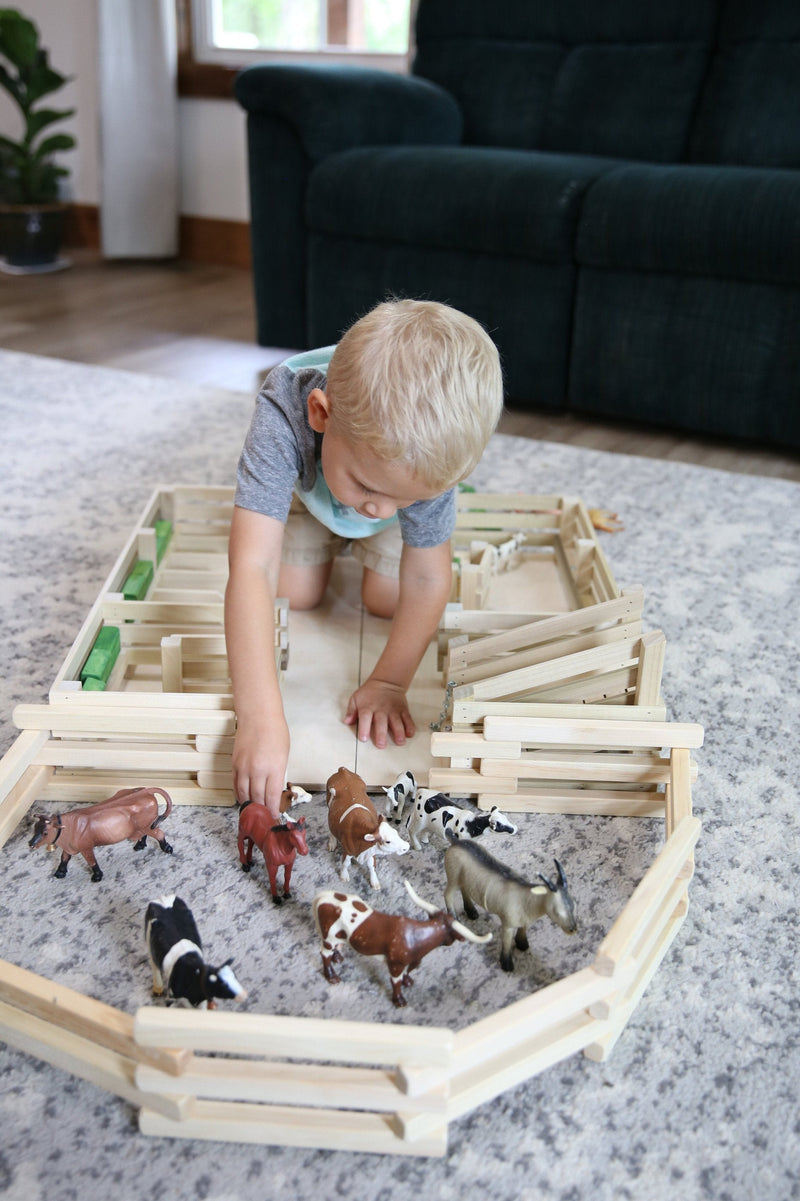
{"x": 554, "y": 709}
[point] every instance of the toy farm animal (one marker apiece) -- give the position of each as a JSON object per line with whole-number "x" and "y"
{"x": 403, "y": 941}
{"x": 293, "y": 794}
{"x": 401, "y": 791}
{"x": 502, "y": 554}
{"x": 433, "y": 814}
{"x": 603, "y": 519}
{"x": 176, "y": 957}
{"x": 279, "y": 844}
{"x": 354, "y": 823}
{"x": 131, "y": 813}
{"x": 484, "y": 881}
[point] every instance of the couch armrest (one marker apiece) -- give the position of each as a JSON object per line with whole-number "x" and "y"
{"x": 297, "y": 116}
{"x": 332, "y": 108}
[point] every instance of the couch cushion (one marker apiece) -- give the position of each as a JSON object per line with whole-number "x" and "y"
{"x": 750, "y": 108}
{"x": 612, "y": 79}
{"x": 525, "y": 305}
{"x": 629, "y": 101}
{"x": 516, "y": 203}
{"x": 729, "y": 222}
{"x": 717, "y": 356}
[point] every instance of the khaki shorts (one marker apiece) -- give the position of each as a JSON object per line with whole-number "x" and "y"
{"x": 307, "y": 542}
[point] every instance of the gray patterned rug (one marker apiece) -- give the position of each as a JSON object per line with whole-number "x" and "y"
{"x": 698, "y": 1100}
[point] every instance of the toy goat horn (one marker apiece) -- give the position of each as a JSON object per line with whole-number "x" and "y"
{"x": 553, "y": 887}
{"x": 562, "y": 879}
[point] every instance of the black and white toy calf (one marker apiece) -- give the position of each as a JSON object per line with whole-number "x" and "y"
{"x": 434, "y": 814}
{"x": 176, "y": 957}
{"x": 401, "y": 791}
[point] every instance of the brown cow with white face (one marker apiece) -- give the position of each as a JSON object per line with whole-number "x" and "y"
{"x": 355, "y": 825}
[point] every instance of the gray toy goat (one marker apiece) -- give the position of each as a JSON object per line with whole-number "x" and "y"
{"x": 484, "y": 881}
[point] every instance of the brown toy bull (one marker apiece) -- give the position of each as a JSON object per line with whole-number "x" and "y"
{"x": 131, "y": 813}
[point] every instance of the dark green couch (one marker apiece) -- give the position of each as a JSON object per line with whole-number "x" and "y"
{"x": 612, "y": 188}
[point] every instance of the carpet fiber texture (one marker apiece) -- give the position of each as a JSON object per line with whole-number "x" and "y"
{"x": 699, "y": 1098}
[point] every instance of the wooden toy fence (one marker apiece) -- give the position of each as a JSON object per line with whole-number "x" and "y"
{"x": 557, "y": 531}
{"x": 158, "y": 620}
{"x": 347, "y": 1085}
{"x": 575, "y": 765}
{"x": 147, "y": 675}
{"x": 594, "y": 663}
{"x": 159, "y": 700}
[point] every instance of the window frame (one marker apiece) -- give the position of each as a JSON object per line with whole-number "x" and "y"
{"x": 212, "y": 76}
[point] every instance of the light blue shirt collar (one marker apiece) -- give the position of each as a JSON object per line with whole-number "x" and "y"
{"x": 341, "y": 519}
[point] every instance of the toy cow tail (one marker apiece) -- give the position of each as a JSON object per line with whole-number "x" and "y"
{"x": 162, "y": 816}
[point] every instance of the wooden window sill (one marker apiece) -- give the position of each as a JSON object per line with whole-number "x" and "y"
{"x": 209, "y": 80}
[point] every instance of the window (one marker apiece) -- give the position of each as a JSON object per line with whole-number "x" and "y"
{"x": 235, "y": 32}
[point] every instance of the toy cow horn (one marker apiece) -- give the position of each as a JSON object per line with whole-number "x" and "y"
{"x": 470, "y": 935}
{"x": 431, "y": 909}
{"x": 38, "y": 831}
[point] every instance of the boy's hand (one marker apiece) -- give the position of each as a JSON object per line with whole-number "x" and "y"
{"x": 259, "y": 764}
{"x": 378, "y": 707}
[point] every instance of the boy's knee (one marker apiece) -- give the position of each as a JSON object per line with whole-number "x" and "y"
{"x": 379, "y": 593}
{"x": 304, "y": 602}
{"x": 304, "y": 587}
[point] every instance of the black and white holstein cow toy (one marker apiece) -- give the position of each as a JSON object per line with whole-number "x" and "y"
{"x": 403, "y": 789}
{"x": 434, "y": 814}
{"x": 176, "y": 957}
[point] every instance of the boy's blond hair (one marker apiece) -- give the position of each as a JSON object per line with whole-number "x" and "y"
{"x": 420, "y": 383}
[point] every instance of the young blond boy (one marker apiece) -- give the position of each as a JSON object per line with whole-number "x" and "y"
{"x": 367, "y": 452}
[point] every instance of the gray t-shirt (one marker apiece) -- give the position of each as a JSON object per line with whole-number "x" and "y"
{"x": 282, "y": 450}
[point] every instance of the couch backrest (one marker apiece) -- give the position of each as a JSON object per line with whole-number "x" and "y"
{"x": 749, "y": 109}
{"x": 610, "y": 77}
{"x": 711, "y": 81}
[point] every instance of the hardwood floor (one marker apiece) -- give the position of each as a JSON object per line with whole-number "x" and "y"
{"x": 196, "y": 322}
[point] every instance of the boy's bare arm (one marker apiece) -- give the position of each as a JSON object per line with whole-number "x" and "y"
{"x": 379, "y": 707}
{"x": 261, "y": 748}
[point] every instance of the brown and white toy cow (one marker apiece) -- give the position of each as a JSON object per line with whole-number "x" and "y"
{"x": 345, "y": 920}
{"x": 355, "y": 825}
{"x": 293, "y": 794}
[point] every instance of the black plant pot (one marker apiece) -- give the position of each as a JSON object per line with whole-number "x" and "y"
{"x": 31, "y": 235}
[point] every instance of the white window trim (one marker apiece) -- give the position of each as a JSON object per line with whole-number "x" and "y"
{"x": 205, "y": 52}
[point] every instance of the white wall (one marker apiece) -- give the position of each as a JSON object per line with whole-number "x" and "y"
{"x": 213, "y": 153}
{"x": 213, "y": 162}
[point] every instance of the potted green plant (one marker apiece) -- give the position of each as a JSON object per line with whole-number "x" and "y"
{"x": 31, "y": 213}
